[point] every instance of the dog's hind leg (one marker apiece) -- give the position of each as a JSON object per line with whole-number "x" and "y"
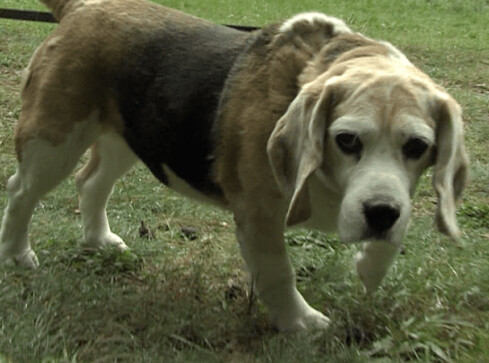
{"x": 110, "y": 159}
{"x": 43, "y": 164}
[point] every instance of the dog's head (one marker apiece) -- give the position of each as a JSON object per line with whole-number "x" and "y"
{"x": 368, "y": 128}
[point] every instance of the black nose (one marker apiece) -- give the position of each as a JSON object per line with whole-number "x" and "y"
{"x": 380, "y": 217}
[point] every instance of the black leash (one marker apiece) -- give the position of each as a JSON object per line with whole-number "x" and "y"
{"x": 27, "y": 15}
{"x": 45, "y": 17}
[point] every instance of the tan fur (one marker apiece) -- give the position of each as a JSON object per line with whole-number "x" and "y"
{"x": 451, "y": 168}
{"x": 292, "y": 169}
{"x": 87, "y": 83}
{"x": 61, "y": 7}
{"x": 270, "y": 87}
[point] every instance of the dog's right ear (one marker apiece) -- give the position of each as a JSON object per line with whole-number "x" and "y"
{"x": 296, "y": 145}
{"x": 452, "y": 163}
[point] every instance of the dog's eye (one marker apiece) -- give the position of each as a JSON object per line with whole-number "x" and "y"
{"x": 414, "y": 148}
{"x": 349, "y": 143}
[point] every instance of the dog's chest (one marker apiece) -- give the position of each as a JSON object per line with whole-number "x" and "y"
{"x": 325, "y": 205}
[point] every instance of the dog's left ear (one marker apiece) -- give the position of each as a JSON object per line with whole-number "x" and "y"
{"x": 296, "y": 145}
{"x": 451, "y": 166}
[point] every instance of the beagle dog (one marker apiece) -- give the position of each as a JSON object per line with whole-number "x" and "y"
{"x": 300, "y": 123}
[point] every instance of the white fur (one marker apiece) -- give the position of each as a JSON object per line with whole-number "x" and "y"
{"x": 42, "y": 167}
{"x": 339, "y": 26}
{"x": 379, "y": 176}
{"x": 396, "y": 53}
{"x": 373, "y": 262}
{"x": 115, "y": 159}
{"x": 378, "y": 181}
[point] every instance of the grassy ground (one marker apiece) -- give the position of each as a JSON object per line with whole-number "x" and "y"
{"x": 181, "y": 297}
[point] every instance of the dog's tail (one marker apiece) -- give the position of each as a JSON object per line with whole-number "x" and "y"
{"x": 60, "y": 8}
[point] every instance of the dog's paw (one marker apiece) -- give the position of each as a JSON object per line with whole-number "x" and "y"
{"x": 114, "y": 240}
{"x": 27, "y": 259}
{"x": 373, "y": 262}
{"x": 370, "y": 276}
{"x": 109, "y": 240}
{"x": 309, "y": 320}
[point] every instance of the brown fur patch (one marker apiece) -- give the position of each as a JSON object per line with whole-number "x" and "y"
{"x": 73, "y": 73}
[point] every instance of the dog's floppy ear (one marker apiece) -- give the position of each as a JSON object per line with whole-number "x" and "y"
{"x": 295, "y": 147}
{"x": 451, "y": 166}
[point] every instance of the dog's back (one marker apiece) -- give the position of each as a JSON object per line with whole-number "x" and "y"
{"x": 169, "y": 87}
{"x": 154, "y": 73}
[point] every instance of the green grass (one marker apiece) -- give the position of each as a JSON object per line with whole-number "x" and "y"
{"x": 178, "y": 299}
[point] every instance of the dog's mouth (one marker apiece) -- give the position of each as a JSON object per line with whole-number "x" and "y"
{"x": 392, "y": 236}
{"x": 370, "y": 236}
{"x": 376, "y": 236}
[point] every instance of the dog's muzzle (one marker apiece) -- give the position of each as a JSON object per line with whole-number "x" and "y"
{"x": 380, "y": 217}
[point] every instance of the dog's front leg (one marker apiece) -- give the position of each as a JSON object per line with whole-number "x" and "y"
{"x": 262, "y": 245}
{"x": 373, "y": 262}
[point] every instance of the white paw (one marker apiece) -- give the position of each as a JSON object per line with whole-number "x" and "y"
{"x": 310, "y": 319}
{"x": 110, "y": 240}
{"x": 27, "y": 259}
{"x": 373, "y": 263}
{"x": 370, "y": 276}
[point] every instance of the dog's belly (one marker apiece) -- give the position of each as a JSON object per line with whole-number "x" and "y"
{"x": 169, "y": 90}
{"x": 181, "y": 186}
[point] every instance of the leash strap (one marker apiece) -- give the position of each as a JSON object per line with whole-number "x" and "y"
{"x": 27, "y": 15}
{"x": 45, "y": 17}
